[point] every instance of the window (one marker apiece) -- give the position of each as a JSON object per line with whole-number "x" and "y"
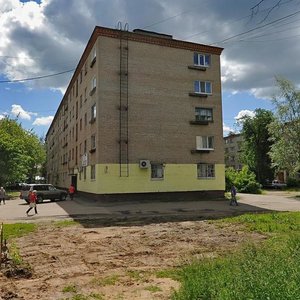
{"x": 85, "y": 119}
{"x": 93, "y": 142}
{"x": 80, "y": 124}
{"x": 85, "y": 147}
{"x": 80, "y": 101}
{"x": 93, "y": 85}
{"x": 93, "y": 113}
{"x": 157, "y": 171}
{"x": 85, "y": 93}
{"x": 93, "y": 56}
{"x": 202, "y": 87}
{"x": 205, "y": 142}
{"x": 205, "y": 170}
{"x": 93, "y": 172}
{"x": 84, "y": 173}
{"x": 203, "y": 114}
{"x": 202, "y": 60}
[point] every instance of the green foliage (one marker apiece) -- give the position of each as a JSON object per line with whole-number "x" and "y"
{"x": 256, "y": 144}
{"x": 243, "y": 180}
{"x": 285, "y": 129}
{"x": 267, "y": 271}
{"x": 18, "y": 229}
{"x": 292, "y": 182}
{"x": 286, "y": 222}
{"x": 20, "y": 152}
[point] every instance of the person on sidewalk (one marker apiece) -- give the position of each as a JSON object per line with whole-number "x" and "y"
{"x": 2, "y": 195}
{"x": 233, "y": 196}
{"x": 71, "y": 191}
{"x": 32, "y": 202}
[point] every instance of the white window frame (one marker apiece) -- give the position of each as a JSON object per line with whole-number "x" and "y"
{"x": 93, "y": 84}
{"x": 202, "y": 60}
{"x": 157, "y": 171}
{"x": 206, "y": 171}
{"x": 94, "y": 54}
{"x": 203, "y": 87}
{"x": 203, "y": 114}
{"x": 93, "y": 112}
{"x": 204, "y": 142}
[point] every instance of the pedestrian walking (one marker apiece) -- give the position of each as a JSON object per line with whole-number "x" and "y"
{"x": 71, "y": 191}
{"x": 233, "y": 196}
{"x": 2, "y": 195}
{"x": 32, "y": 201}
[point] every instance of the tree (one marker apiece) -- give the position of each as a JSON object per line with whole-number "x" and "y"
{"x": 20, "y": 152}
{"x": 285, "y": 128}
{"x": 256, "y": 144}
{"x": 244, "y": 180}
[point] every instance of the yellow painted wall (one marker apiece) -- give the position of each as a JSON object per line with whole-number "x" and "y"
{"x": 177, "y": 177}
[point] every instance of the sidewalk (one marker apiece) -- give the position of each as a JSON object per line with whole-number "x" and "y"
{"x": 81, "y": 208}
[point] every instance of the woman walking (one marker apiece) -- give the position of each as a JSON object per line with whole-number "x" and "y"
{"x": 32, "y": 202}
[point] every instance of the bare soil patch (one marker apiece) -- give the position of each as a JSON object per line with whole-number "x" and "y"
{"x": 120, "y": 262}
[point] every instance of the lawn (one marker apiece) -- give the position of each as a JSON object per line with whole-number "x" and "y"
{"x": 266, "y": 271}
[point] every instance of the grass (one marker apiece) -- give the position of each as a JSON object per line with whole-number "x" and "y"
{"x": 268, "y": 223}
{"x": 153, "y": 288}
{"x": 18, "y": 230}
{"x": 266, "y": 271}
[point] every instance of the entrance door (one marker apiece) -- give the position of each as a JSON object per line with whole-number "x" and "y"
{"x": 74, "y": 181}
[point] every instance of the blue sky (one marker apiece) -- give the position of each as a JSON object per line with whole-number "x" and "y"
{"x": 41, "y": 38}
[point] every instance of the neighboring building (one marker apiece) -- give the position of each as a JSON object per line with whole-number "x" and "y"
{"x": 232, "y": 147}
{"x": 141, "y": 115}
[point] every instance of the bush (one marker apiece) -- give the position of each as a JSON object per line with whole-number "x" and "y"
{"x": 292, "y": 182}
{"x": 244, "y": 180}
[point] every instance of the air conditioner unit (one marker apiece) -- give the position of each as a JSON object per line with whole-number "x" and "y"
{"x": 144, "y": 164}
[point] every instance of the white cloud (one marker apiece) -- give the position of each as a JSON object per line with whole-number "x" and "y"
{"x": 227, "y": 129}
{"x": 244, "y": 113}
{"x": 43, "y": 121}
{"x": 19, "y": 112}
{"x": 2, "y": 117}
{"x": 43, "y": 38}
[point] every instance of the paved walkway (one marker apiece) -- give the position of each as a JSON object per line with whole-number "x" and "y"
{"x": 79, "y": 208}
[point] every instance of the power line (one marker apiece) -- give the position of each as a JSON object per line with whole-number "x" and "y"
{"x": 38, "y": 77}
{"x": 256, "y": 28}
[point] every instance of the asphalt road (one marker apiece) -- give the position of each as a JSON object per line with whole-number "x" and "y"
{"x": 79, "y": 208}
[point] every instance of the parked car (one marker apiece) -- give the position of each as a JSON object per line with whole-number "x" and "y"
{"x": 44, "y": 191}
{"x": 276, "y": 184}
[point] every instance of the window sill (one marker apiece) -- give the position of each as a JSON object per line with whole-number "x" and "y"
{"x": 92, "y": 91}
{"x": 206, "y": 178}
{"x": 200, "y": 122}
{"x": 157, "y": 179}
{"x": 201, "y": 95}
{"x": 92, "y": 150}
{"x": 195, "y": 67}
{"x": 201, "y": 150}
{"x": 93, "y": 62}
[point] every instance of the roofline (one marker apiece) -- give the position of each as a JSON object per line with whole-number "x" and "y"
{"x": 136, "y": 37}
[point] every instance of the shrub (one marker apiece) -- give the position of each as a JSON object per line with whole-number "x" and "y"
{"x": 244, "y": 180}
{"x": 293, "y": 182}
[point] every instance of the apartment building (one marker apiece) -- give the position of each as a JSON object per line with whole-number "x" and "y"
{"x": 232, "y": 147}
{"x": 142, "y": 116}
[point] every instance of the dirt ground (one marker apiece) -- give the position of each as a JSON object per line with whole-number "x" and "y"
{"x": 120, "y": 262}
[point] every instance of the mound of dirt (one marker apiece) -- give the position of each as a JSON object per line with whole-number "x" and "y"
{"x": 120, "y": 262}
